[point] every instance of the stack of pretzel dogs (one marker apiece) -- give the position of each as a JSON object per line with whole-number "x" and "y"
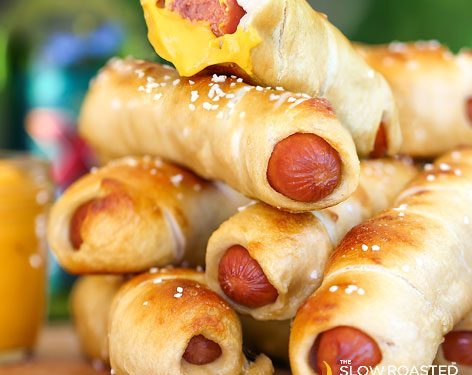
{"x": 280, "y": 195}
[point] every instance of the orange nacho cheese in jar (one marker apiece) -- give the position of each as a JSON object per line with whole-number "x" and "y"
{"x": 25, "y": 195}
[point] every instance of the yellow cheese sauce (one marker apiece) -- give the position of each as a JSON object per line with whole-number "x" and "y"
{"x": 191, "y": 46}
{"x": 24, "y": 198}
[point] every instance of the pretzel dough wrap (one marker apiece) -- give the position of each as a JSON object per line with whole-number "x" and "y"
{"x": 457, "y": 347}
{"x": 226, "y": 130}
{"x": 136, "y": 213}
{"x": 91, "y": 299}
{"x": 398, "y": 282}
{"x": 278, "y": 43}
{"x": 433, "y": 91}
{"x": 266, "y": 262}
{"x": 168, "y": 322}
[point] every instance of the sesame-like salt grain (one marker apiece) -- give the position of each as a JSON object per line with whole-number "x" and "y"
{"x": 157, "y": 96}
{"x": 191, "y": 107}
{"x": 177, "y": 179}
{"x": 239, "y": 80}
{"x": 157, "y": 281}
{"x": 194, "y": 96}
{"x": 364, "y": 247}
{"x": 274, "y": 97}
{"x": 177, "y": 295}
{"x": 375, "y": 248}
{"x": 191, "y": 82}
{"x": 278, "y": 88}
{"x": 444, "y": 167}
{"x": 154, "y": 270}
{"x": 145, "y": 303}
{"x": 176, "y": 82}
{"x": 180, "y": 289}
{"x": 430, "y": 178}
{"x": 333, "y": 288}
{"x": 259, "y": 88}
{"x": 428, "y": 167}
{"x": 291, "y": 99}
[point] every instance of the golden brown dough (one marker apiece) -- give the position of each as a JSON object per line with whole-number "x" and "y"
{"x": 91, "y": 299}
{"x": 404, "y": 278}
{"x": 284, "y": 43}
{"x": 292, "y": 249}
{"x": 155, "y": 316}
{"x": 433, "y": 91}
{"x": 143, "y": 213}
{"x": 217, "y": 126}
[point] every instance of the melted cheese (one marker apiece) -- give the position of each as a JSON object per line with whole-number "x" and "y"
{"x": 191, "y": 46}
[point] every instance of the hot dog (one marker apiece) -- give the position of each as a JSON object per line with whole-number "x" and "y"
{"x": 346, "y": 343}
{"x": 243, "y": 281}
{"x": 457, "y": 347}
{"x": 223, "y": 17}
{"x": 75, "y": 229}
{"x": 264, "y": 38}
{"x": 265, "y": 262}
{"x": 381, "y": 143}
{"x": 224, "y": 129}
{"x": 136, "y": 213}
{"x": 432, "y": 88}
{"x": 201, "y": 351}
{"x": 304, "y": 167}
{"x": 390, "y": 279}
{"x": 193, "y": 330}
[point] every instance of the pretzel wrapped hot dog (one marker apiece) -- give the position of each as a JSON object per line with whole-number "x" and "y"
{"x": 266, "y": 262}
{"x": 91, "y": 299}
{"x": 433, "y": 91}
{"x": 136, "y": 213}
{"x": 278, "y": 43}
{"x": 287, "y": 150}
{"x": 168, "y": 322}
{"x": 397, "y": 283}
{"x": 457, "y": 347}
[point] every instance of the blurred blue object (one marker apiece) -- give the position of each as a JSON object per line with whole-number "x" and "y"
{"x": 65, "y": 49}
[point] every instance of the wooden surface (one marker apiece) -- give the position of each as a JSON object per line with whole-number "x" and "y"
{"x": 58, "y": 353}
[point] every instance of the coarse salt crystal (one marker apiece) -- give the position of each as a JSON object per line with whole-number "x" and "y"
{"x": 194, "y": 96}
{"x": 364, "y": 247}
{"x": 177, "y": 179}
{"x": 375, "y": 248}
{"x": 333, "y": 289}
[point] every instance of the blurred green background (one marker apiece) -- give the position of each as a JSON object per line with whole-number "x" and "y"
{"x": 50, "y": 49}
